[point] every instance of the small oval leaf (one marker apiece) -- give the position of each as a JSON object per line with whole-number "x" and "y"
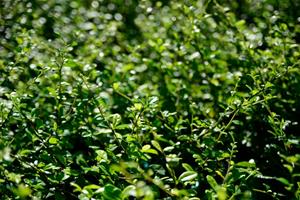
{"x": 212, "y": 182}
{"x": 187, "y": 167}
{"x": 187, "y": 176}
{"x": 156, "y": 145}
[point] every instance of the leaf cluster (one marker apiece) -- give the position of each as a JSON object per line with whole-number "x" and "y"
{"x": 149, "y": 99}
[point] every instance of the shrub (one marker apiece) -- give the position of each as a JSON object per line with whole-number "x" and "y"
{"x": 149, "y": 99}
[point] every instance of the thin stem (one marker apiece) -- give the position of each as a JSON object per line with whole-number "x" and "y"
{"x": 103, "y": 115}
{"x": 60, "y": 66}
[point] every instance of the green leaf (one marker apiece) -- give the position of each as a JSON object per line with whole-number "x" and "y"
{"x": 53, "y": 140}
{"x": 187, "y": 167}
{"x": 77, "y": 187}
{"x": 116, "y": 86}
{"x": 14, "y": 177}
{"x": 101, "y": 156}
{"x": 138, "y": 106}
{"x": 187, "y": 176}
{"x": 246, "y": 164}
{"x": 268, "y": 84}
{"x": 153, "y": 100}
{"x": 146, "y": 147}
{"x": 212, "y": 182}
{"x": 283, "y": 180}
{"x": 103, "y": 131}
{"x": 156, "y": 145}
{"x": 130, "y": 190}
{"x": 168, "y": 149}
{"x": 111, "y": 192}
{"x": 39, "y": 123}
{"x": 123, "y": 126}
{"x": 91, "y": 187}
{"x": 22, "y": 191}
{"x": 221, "y": 193}
{"x": 152, "y": 151}
{"x": 240, "y": 24}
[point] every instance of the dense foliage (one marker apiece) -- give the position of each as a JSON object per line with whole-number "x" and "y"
{"x": 149, "y": 99}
